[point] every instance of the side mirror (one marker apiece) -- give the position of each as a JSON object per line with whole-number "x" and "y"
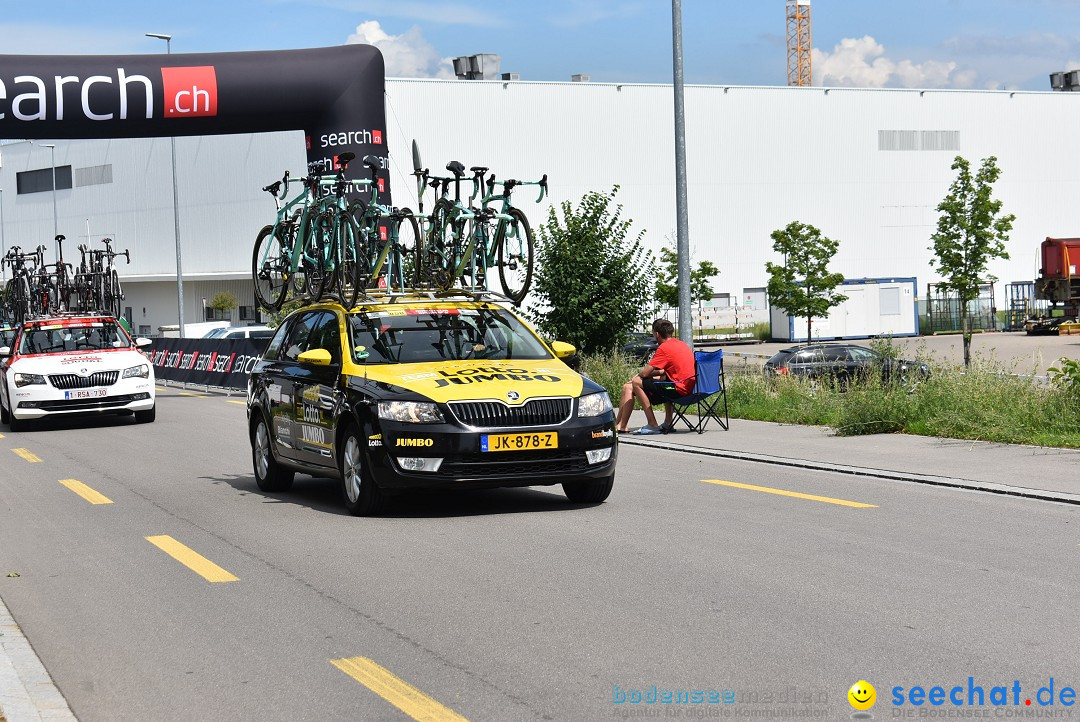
{"x": 563, "y": 349}
{"x": 315, "y": 357}
{"x": 143, "y": 341}
{"x": 5, "y": 351}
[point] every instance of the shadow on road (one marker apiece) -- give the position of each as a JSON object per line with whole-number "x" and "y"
{"x": 324, "y": 495}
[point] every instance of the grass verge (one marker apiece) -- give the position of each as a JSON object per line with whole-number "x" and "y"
{"x": 984, "y": 403}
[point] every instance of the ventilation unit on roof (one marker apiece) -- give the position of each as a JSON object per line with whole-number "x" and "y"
{"x": 484, "y": 66}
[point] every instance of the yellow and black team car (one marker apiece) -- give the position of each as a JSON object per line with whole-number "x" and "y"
{"x": 404, "y": 393}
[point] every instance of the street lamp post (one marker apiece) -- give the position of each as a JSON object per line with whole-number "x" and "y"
{"x": 55, "y": 225}
{"x": 175, "y": 204}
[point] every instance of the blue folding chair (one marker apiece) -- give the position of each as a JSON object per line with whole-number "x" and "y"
{"x": 709, "y": 394}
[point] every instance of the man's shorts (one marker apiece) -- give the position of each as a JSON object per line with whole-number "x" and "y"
{"x": 660, "y": 391}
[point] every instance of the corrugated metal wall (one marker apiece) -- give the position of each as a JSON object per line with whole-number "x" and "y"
{"x": 868, "y": 167}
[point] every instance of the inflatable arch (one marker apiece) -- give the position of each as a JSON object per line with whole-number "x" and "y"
{"x": 335, "y": 95}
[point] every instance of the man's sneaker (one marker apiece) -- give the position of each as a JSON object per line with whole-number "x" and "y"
{"x": 648, "y": 431}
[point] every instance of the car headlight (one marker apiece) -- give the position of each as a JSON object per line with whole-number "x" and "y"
{"x": 410, "y": 412}
{"x": 141, "y": 371}
{"x": 594, "y": 404}
{"x": 22, "y": 379}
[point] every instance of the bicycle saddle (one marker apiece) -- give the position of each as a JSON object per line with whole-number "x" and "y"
{"x": 479, "y": 169}
{"x": 456, "y": 167}
{"x": 345, "y": 158}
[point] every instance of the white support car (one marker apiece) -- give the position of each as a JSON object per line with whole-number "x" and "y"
{"x": 74, "y": 364}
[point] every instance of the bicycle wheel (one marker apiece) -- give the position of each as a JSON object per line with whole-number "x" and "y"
{"x": 405, "y": 232}
{"x": 269, "y": 269}
{"x": 441, "y": 247}
{"x": 21, "y": 302}
{"x": 514, "y": 239}
{"x": 352, "y": 260}
{"x": 318, "y": 243}
{"x": 117, "y": 293}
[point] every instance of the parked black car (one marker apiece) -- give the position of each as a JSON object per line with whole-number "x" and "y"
{"x": 842, "y": 361}
{"x": 640, "y": 346}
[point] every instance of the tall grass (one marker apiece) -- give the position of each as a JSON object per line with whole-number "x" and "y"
{"x": 982, "y": 403}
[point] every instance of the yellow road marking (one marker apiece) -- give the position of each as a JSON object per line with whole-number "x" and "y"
{"x": 191, "y": 559}
{"x": 395, "y": 690}
{"x": 188, "y": 393}
{"x": 27, "y": 454}
{"x": 795, "y": 494}
{"x": 231, "y": 401}
{"x": 1, "y": 436}
{"x": 85, "y": 491}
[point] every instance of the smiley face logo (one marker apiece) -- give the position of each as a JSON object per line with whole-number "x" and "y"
{"x": 862, "y": 695}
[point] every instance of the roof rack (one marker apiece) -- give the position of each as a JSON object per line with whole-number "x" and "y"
{"x": 383, "y": 296}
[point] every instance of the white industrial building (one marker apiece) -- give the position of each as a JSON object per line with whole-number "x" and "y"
{"x": 866, "y": 166}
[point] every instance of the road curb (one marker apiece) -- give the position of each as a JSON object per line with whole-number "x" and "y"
{"x": 27, "y": 692}
{"x": 946, "y": 481}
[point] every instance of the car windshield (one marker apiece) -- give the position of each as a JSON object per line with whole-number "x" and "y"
{"x": 214, "y": 333}
{"x": 88, "y": 336}
{"x": 442, "y": 334}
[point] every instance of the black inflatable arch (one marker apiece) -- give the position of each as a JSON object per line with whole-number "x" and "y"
{"x": 335, "y": 95}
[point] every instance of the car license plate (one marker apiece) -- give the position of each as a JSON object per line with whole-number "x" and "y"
{"x": 85, "y": 393}
{"x": 519, "y": 442}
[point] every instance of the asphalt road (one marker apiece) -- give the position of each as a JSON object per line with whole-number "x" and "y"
{"x": 513, "y": 604}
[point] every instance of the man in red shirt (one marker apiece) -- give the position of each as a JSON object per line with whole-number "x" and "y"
{"x": 669, "y": 374}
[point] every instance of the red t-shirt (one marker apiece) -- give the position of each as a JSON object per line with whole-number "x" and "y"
{"x": 676, "y": 360}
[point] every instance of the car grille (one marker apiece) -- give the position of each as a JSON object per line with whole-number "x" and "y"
{"x": 496, "y": 414}
{"x": 74, "y": 381}
{"x": 513, "y": 463}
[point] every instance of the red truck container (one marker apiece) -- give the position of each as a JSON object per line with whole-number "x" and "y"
{"x": 1059, "y": 276}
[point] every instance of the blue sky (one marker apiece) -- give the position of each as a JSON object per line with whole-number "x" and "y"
{"x": 1012, "y": 44}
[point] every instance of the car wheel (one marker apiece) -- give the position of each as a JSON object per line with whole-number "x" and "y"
{"x": 362, "y": 496}
{"x": 146, "y": 417}
{"x": 5, "y": 415}
{"x": 589, "y": 492}
{"x": 269, "y": 475}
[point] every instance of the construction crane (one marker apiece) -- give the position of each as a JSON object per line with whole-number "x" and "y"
{"x": 799, "y": 71}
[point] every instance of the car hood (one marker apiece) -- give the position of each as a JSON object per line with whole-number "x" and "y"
{"x": 514, "y": 382}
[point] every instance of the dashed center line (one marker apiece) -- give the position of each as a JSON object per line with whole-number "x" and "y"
{"x": 27, "y": 454}
{"x": 396, "y": 691}
{"x": 85, "y": 491}
{"x": 794, "y": 494}
{"x": 191, "y": 559}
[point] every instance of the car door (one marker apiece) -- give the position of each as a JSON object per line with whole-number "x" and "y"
{"x": 315, "y": 394}
{"x": 281, "y": 371}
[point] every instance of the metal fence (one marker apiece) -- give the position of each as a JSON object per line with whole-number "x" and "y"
{"x": 943, "y": 309}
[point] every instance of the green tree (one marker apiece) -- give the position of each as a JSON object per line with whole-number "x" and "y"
{"x": 802, "y": 286}
{"x": 970, "y": 232}
{"x": 223, "y": 301}
{"x": 667, "y": 289}
{"x": 593, "y": 284}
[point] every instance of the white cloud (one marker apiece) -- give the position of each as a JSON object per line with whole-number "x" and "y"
{"x": 407, "y": 55}
{"x": 862, "y": 63}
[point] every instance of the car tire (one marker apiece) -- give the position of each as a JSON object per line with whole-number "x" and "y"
{"x": 361, "y": 495}
{"x": 589, "y": 492}
{"x": 146, "y": 417}
{"x": 269, "y": 474}
{"x": 5, "y": 415}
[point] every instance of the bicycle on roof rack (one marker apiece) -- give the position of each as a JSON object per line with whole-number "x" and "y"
{"x": 464, "y": 242}
{"x": 22, "y": 294}
{"x": 288, "y": 254}
{"x": 96, "y": 284}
